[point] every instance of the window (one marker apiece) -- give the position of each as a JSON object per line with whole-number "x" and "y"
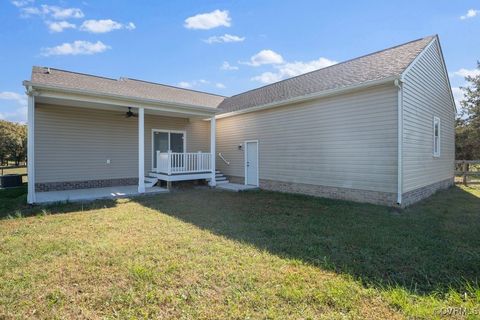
{"x": 436, "y": 137}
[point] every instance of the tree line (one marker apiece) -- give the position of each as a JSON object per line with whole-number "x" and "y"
{"x": 467, "y": 131}
{"x": 13, "y": 142}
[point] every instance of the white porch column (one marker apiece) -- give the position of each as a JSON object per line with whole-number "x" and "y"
{"x": 213, "y": 151}
{"x": 141, "y": 150}
{"x": 31, "y": 198}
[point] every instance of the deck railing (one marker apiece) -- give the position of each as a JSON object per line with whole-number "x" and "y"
{"x": 183, "y": 163}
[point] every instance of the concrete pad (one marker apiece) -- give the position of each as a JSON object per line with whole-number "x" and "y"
{"x": 235, "y": 187}
{"x": 94, "y": 193}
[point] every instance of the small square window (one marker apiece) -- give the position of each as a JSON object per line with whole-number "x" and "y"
{"x": 436, "y": 137}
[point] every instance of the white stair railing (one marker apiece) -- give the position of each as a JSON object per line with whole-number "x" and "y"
{"x": 224, "y": 160}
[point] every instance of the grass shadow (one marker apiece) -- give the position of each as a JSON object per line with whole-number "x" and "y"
{"x": 428, "y": 248}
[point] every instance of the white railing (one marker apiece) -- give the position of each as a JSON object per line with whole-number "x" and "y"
{"x": 180, "y": 163}
{"x": 223, "y": 158}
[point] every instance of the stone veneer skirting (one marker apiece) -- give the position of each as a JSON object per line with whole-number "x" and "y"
{"x": 416, "y": 195}
{"x": 375, "y": 197}
{"x": 85, "y": 184}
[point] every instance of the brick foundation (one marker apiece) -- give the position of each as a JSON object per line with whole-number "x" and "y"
{"x": 375, "y": 197}
{"x": 86, "y": 184}
{"x": 416, "y": 195}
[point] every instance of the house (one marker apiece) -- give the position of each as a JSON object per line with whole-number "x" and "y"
{"x": 378, "y": 129}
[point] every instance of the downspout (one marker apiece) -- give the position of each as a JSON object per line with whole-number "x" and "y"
{"x": 398, "y": 83}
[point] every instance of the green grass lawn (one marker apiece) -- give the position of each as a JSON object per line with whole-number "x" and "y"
{"x": 204, "y": 254}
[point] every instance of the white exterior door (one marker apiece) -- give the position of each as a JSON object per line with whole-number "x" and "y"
{"x": 251, "y": 163}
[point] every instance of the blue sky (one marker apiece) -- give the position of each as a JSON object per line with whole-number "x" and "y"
{"x": 224, "y": 47}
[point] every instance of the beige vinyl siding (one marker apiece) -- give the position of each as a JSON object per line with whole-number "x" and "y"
{"x": 425, "y": 95}
{"x": 348, "y": 141}
{"x": 73, "y": 144}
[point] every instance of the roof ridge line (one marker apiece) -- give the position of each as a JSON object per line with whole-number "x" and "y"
{"x": 333, "y": 65}
{"x": 75, "y": 72}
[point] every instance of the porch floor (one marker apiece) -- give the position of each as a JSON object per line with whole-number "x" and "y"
{"x": 94, "y": 193}
{"x": 236, "y": 187}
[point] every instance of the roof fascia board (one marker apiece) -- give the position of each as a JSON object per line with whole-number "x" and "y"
{"x": 66, "y": 93}
{"x": 309, "y": 97}
{"x": 444, "y": 65}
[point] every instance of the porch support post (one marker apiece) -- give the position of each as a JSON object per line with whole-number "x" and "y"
{"x": 213, "y": 183}
{"x": 141, "y": 150}
{"x": 31, "y": 198}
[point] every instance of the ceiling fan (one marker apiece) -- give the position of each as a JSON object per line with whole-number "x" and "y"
{"x": 130, "y": 113}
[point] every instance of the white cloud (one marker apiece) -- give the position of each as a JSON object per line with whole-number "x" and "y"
{"x": 21, "y": 3}
{"x": 457, "y": 95}
{"x": 30, "y": 11}
{"x": 292, "y": 69}
{"x": 265, "y": 57}
{"x": 210, "y": 20}
{"x": 267, "y": 77}
{"x": 185, "y": 84}
{"x": 53, "y": 12}
{"x": 16, "y": 113}
{"x": 59, "y": 26}
{"x": 130, "y": 26}
{"x": 63, "y": 13}
{"x": 467, "y": 72}
{"x": 228, "y": 66}
{"x": 18, "y": 98}
{"x": 200, "y": 83}
{"x": 100, "y": 26}
{"x": 470, "y": 14}
{"x": 225, "y": 38}
{"x": 78, "y": 47}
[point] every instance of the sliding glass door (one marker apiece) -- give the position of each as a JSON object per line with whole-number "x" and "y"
{"x": 167, "y": 140}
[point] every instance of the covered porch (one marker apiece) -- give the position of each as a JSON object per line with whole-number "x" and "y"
{"x": 88, "y": 145}
{"x": 95, "y": 193}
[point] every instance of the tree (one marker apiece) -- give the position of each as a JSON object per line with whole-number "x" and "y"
{"x": 13, "y": 142}
{"x": 467, "y": 140}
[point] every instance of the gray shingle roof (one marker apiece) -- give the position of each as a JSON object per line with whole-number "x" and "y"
{"x": 123, "y": 87}
{"x": 375, "y": 66}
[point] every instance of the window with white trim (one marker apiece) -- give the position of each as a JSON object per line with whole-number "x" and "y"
{"x": 436, "y": 136}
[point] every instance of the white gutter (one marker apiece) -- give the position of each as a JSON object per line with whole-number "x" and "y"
{"x": 186, "y": 107}
{"x": 398, "y": 84}
{"x": 312, "y": 96}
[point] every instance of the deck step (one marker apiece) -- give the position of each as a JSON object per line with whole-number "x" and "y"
{"x": 150, "y": 181}
{"x": 222, "y": 182}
